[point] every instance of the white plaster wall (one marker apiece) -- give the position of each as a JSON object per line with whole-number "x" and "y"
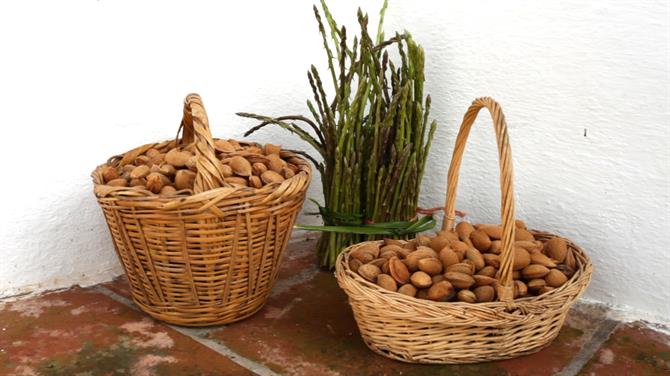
{"x": 584, "y": 86}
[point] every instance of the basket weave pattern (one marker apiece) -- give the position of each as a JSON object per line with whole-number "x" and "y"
{"x": 422, "y": 331}
{"x": 210, "y": 257}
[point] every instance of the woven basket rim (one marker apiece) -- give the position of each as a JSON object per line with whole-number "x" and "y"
{"x": 136, "y": 194}
{"x": 523, "y": 304}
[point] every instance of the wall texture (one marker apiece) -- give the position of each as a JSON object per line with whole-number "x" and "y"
{"x": 584, "y": 86}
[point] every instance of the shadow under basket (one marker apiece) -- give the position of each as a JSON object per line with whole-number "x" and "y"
{"x": 423, "y": 331}
{"x": 207, "y": 257}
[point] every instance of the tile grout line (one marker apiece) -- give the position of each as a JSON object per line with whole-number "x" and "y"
{"x": 589, "y": 349}
{"x": 197, "y": 335}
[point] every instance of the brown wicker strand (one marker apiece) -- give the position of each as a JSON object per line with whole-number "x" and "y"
{"x": 506, "y": 288}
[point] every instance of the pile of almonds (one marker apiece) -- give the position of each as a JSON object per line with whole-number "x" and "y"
{"x": 168, "y": 173}
{"x": 463, "y": 265}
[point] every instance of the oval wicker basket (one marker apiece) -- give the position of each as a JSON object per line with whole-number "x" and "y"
{"x": 204, "y": 257}
{"x": 423, "y": 331}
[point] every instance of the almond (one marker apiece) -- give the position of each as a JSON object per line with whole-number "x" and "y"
{"x": 118, "y": 182}
{"x": 483, "y": 280}
{"x": 521, "y": 235}
{"x": 408, "y": 290}
{"x": 192, "y": 163}
{"x": 448, "y": 257}
{"x": 520, "y": 224}
{"x": 142, "y": 160}
{"x": 437, "y": 278}
{"x": 177, "y": 158}
{"x": 423, "y": 240}
{"x": 534, "y": 271}
{"x": 480, "y": 240}
{"x": 224, "y": 146}
{"x": 570, "y": 260}
{"x": 488, "y": 271}
{"x": 459, "y": 280}
{"x": 253, "y": 149}
{"x": 568, "y": 271}
{"x": 271, "y": 149}
{"x": 540, "y": 259}
{"x": 369, "y": 272}
{"x": 492, "y": 260}
{"x": 255, "y": 181}
{"x": 270, "y": 177}
{"x": 466, "y": 296}
{"x": 167, "y": 191}
{"x": 394, "y": 242}
{"x": 556, "y": 248}
{"x": 370, "y": 247}
{"x": 354, "y": 264}
{"x": 157, "y": 159}
{"x": 536, "y": 284}
{"x": 451, "y": 235}
{"x": 287, "y": 173}
{"x": 525, "y": 244}
{"x": 398, "y": 250}
{"x": 385, "y": 267}
{"x": 236, "y": 181}
{"x": 521, "y": 258}
{"x": 421, "y": 253}
{"x": 439, "y": 242}
{"x": 476, "y": 257}
{"x": 441, "y": 291}
{"x": 167, "y": 169}
{"x": 140, "y": 172}
{"x": 240, "y": 166}
{"x": 388, "y": 254}
{"x": 464, "y": 229}
{"x": 156, "y": 181}
{"x": 494, "y": 232}
{"x": 138, "y": 182}
{"x": 398, "y": 270}
{"x": 484, "y": 294}
{"x": 411, "y": 245}
{"x": 184, "y": 179}
{"x": 461, "y": 267}
{"x": 236, "y": 145}
{"x": 421, "y": 280}
{"x": 109, "y": 173}
{"x": 152, "y": 152}
{"x": 275, "y": 163}
{"x": 496, "y": 247}
{"x": 258, "y": 168}
{"x": 520, "y": 289}
{"x": 361, "y": 255}
{"x": 555, "y": 278}
{"x": 431, "y": 266}
{"x": 459, "y": 246}
{"x": 386, "y": 282}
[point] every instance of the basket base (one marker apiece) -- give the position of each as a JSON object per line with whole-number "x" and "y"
{"x": 407, "y": 358}
{"x": 221, "y": 317}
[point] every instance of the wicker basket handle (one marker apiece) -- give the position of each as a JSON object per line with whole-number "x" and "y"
{"x": 506, "y": 288}
{"x": 195, "y": 127}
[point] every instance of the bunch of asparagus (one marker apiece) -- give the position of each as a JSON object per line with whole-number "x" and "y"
{"x": 373, "y": 136}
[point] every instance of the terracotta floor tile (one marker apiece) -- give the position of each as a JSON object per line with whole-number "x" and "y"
{"x": 633, "y": 349}
{"x": 80, "y": 331}
{"x": 583, "y": 320}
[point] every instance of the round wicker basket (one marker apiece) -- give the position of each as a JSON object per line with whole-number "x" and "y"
{"x": 205, "y": 257}
{"x": 422, "y": 331}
